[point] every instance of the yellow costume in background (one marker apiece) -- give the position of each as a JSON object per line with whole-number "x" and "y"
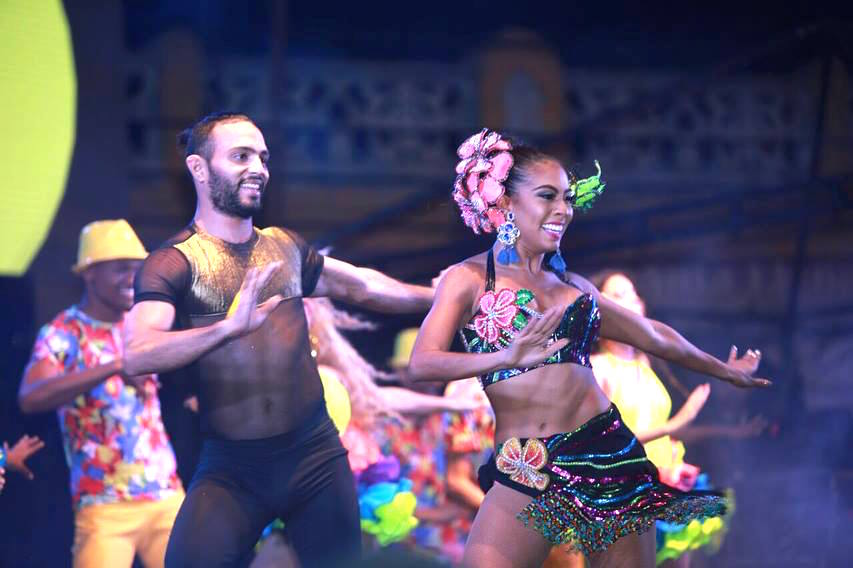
{"x": 337, "y": 399}
{"x": 643, "y": 402}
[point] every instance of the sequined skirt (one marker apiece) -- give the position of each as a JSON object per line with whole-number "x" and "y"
{"x": 593, "y": 485}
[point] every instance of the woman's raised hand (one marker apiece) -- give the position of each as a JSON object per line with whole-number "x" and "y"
{"x": 533, "y": 344}
{"x": 744, "y": 367}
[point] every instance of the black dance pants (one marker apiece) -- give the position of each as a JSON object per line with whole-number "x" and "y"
{"x": 240, "y": 486}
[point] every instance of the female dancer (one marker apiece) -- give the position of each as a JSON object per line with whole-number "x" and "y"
{"x": 566, "y": 465}
{"x": 627, "y": 378}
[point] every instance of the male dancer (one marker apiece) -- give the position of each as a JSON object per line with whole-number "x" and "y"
{"x": 124, "y": 486}
{"x": 227, "y": 296}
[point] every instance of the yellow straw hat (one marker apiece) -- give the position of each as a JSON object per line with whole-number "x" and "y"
{"x": 111, "y": 239}
{"x": 403, "y": 345}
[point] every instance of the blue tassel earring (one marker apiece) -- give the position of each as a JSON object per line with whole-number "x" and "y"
{"x": 508, "y": 234}
{"x": 557, "y": 263}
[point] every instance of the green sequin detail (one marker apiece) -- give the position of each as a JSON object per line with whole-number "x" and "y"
{"x": 599, "y": 466}
{"x": 523, "y": 297}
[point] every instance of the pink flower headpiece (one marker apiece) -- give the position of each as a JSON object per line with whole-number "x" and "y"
{"x": 485, "y": 165}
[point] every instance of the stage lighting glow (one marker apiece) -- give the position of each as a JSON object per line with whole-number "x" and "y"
{"x": 38, "y": 103}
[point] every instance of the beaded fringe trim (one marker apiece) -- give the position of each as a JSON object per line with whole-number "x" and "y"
{"x": 557, "y": 517}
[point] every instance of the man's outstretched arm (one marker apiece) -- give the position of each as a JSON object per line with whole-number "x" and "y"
{"x": 371, "y": 289}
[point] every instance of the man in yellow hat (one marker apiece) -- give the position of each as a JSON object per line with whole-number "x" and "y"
{"x": 124, "y": 485}
{"x": 226, "y": 296}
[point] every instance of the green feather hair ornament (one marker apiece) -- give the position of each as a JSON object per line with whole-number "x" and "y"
{"x": 587, "y": 190}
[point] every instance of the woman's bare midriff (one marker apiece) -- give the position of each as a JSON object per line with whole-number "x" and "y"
{"x": 548, "y": 400}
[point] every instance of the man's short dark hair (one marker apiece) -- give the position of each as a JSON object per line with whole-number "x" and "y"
{"x": 196, "y": 138}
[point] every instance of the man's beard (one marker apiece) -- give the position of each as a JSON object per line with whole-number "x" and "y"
{"x": 226, "y": 198}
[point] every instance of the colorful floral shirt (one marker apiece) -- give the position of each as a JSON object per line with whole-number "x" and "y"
{"x": 115, "y": 443}
{"x": 423, "y": 449}
{"x": 417, "y": 445}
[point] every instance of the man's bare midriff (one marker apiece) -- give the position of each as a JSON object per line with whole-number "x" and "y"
{"x": 261, "y": 384}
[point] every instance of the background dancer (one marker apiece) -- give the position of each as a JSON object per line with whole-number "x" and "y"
{"x": 440, "y": 453}
{"x": 627, "y": 378}
{"x": 124, "y": 487}
{"x": 384, "y": 480}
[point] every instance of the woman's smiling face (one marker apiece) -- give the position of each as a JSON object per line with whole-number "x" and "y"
{"x": 542, "y": 204}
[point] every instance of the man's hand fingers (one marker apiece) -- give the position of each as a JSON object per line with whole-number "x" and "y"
{"x": 270, "y": 304}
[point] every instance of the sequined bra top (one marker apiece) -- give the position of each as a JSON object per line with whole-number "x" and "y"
{"x": 504, "y": 313}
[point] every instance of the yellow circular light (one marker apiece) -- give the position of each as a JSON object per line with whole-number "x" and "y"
{"x": 38, "y": 104}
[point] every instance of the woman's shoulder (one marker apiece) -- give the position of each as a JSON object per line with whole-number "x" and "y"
{"x": 477, "y": 261}
{"x": 582, "y": 284}
{"x": 469, "y": 271}
{"x": 461, "y": 283}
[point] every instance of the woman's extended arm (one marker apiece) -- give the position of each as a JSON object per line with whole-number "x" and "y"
{"x": 659, "y": 339}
